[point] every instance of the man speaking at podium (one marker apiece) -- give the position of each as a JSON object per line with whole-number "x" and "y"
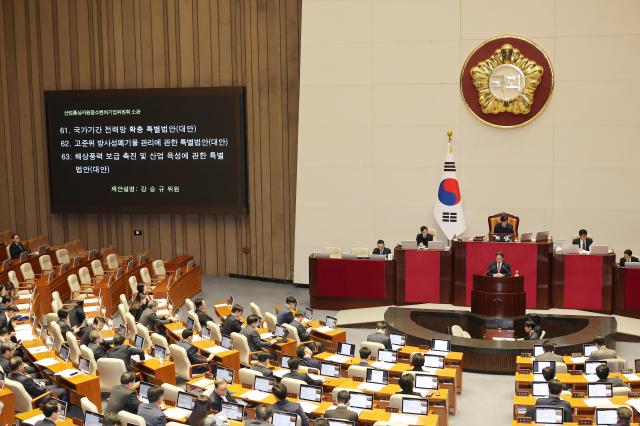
{"x": 499, "y": 268}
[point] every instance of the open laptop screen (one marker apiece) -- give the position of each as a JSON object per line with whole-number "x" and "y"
{"x": 186, "y": 400}
{"x": 224, "y": 373}
{"x": 538, "y": 366}
{"x": 329, "y": 369}
{"x": 92, "y": 419}
{"x": 377, "y": 376}
{"x": 548, "y": 415}
{"x": 441, "y": 345}
{"x": 263, "y": 384}
{"x": 232, "y": 411}
{"x": 387, "y": 356}
{"x": 606, "y": 416}
{"x": 540, "y": 389}
{"x": 281, "y": 418}
{"x": 361, "y": 400}
{"x": 600, "y": 390}
{"x": 310, "y": 393}
{"x": 346, "y": 349}
{"x": 415, "y": 406}
{"x": 426, "y": 381}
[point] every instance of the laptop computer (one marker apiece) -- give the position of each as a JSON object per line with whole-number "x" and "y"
{"x": 284, "y": 361}
{"x": 62, "y": 408}
{"x": 281, "y": 418}
{"x": 441, "y": 345}
{"x": 361, "y": 400}
{"x": 606, "y": 416}
{"x": 142, "y": 391}
{"x": 590, "y": 366}
{"x": 632, "y": 264}
{"x": 84, "y": 365}
{"x": 122, "y": 330}
{"x": 310, "y": 393}
{"x": 538, "y": 366}
{"x": 190, "y": 323}
{"x": 409, "y": 244}
{"x": 540, "y": 389}
{"x": 599, "y": 249}
{"x": 348, "y": 256}
{"x": 224, "y": 373}
{"x": 378, "y": 256}
{"x": 397, "y": 340}
{"x": 537, "y": 350}
{"x": 308, "y": 314}
{"x": 542, "y": 236}
{"x": 436, "y": 245}
{"x": 600, "y": 390}
{"x": 380, "y": 377}
{"x": 526, "y": 237}
{"x": 415, "y": 406}
{"x": 329, "y": 369}
{"x": 93, "y": 419}
{"x": 434, "y": 361}
{"x": 184, "y": 405}
{"x": 588, "y": 348}
{"x": 570, "y": 249}
{"x": 385, "y": 355}
{"x": 548, "y": 415}
{"x": 226, "y": 342}
{"x": 331, "y": 322}
{"x": 263, "y": 384}
{"x": 279, "y": 331}
{"x": 138, "y": 341}
{"x": 426, "y": 382}
{"x": 346, "y": 349}
{"x": 64, "y": 353}
{"x": 205, "y": 333}
{"x": 159, "y": 352}
{"x": 232, "y": 411}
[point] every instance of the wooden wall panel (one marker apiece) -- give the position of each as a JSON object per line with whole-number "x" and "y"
{"x": 107, "y": 44}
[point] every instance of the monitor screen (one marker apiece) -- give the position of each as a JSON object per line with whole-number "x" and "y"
{"x": 426, "y": 381}
{"x": 122, "y": 330}
{"x": 190, "y": 323}
{"x": 224, "y": 373}
{"x": 279, "y": 331}
{"x": 226, "y": 342}
{"x": 84, "y": 365}
{"x": 540, "y": 389}
{"x": 308, "y": 313}
{"x": 311, "y": 393}
{"x": 538, "y": 366}
{"x": 329, "y": 369}
{"x": 62, "y": 408}
{"x": 361, "y": 400}
{"x": 377, "y": 376}
{"x": 537, "y": 350}
{"x": 143, "y": 389}
{"x": 346, "y": 349}
{"x": 434, "y": 361}
{"x": 548, "y": 415}
{"x": 284, "y": 362}
{"x": 606, "y": 416}
{"x": 232, "y": 411}
{"x": 92, "y": 419}
{"x": 205, "y": 333}
{"x": 599, "y": 390}
{"x": 387, "y": 356}
{"x": 159, "y": 352}
{"x": 331, "y": 322}
{"x": 186, "y": 400}
{"x": 590, "y": 366}
{"x": 398, "y": 339}
{"x": 138, "y": 341}
{"x": 64, "y": 352}
{"x": 263, "y": 384}
{"x": 280, "y": 418}
{"x": 415, "y": 406}
{"x": 441, "y": 345}
{"x": 147, "y": 150}
{"x": 588, "y": 348}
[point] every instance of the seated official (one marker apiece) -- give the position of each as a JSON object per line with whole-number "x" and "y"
{"x": 200, "y": 413}
{"x": 76, "y": 314}
{"x": 602, "y": 371}
{"x": 548, "y": 355}
{"x": 150, "y": 319}
{"x": 406, "y": 385}
{"x": 381, "y": 249}
{"x": 380, "y": 335}
{"x": 553, "y": 400}
{"x": 6, "y": 319}
{"x": 16, "y": 248}
{"x": 33, "y": 388}
{"x": 530, "y": 331}
{"x": 499, "y": 268}
{"x": 96, "y": 345}
{"x": 220, "y": 394}
{"x": 548, "y": 373}
{"x": 138, "y": 305}
{"x": 63, "y": 322}
{"x": 305, "y": 354}
{"x": 250, "y": 331}
{"x": 423, "y": 238}
{"x": 582, "y": 241}
{"x": 628, "y": 257}
{"x": 342, "y": 412}
{"x": 294, "y": 364}
{"x": 96, "y": 325}
{"x": 417, "y": 361}
{"x": 50, "y": 412}
{"x": 285, "y": 314}
{"x": 624, "y": 416}
{"x": 192, "y": 353}
{"x": 122, "y": 351}
{"x": 123, "y": 397}
{"x": 303, "y": 333}
{"x": 503, "y": 227}
{"x": 282, "y": 404}
{"x": 365, "y": 356}
{"x": 263, "y": 365}
{"x": 151, "y": 411}
{"x": 202, "y": 312}
{"x": 264, "y": 415}
{"x": 233, "y": 321}
{"x": 602, "y": 352}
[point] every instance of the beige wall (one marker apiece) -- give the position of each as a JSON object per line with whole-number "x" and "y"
{"x": 379, "y": 89}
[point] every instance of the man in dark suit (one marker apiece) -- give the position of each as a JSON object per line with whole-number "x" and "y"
{"x": 553, "y": 400}
{"x": 95, "y": 344}
{"x": 16, "y": 248}
{"x": 263, "y": 365}
{"x": 63, "y": 323}
{"x": 365, "y": 355}
{"x": 192, "y": 353}
{"x": 381, "y": 249}
{"x": 219, "y": 395}
{"x": 582, "y": 241}
{"x": 280, "y": 392}
{"x": 628, "y": 257}
{"x": 151, "y": 320}
{"x": 123, "y": 396}
{"x": 624, "y": 416}
{"x": 303, "y": 333}
{"x": 530, "y": 331}
{"x": 5, "y": 303}
{"x": 202, "y": 312}
{"x": 50, "y": 412}
{"x": 263, "y": 416}
{"x": 499, "y": 268}
{"x": 548, "y": 355}
{"x": 342, "y": 412}
{"x": 250, "y": 331}
{"x": 151, "y": 412}
{"x": 305, "y": 355}
{"x": 380, "y": 335}
{"x": 233, "y": 321}
{"x": 503, "y": 227}
{"x": 6, "y": 318}
{"x": 423, "y": 238}
{"x": 406, "y": 385}
{"x": 285, "y": 314}
{"x": 96, "y": 325}
{"x": 294, "y": 364}
{"x": 123, "y": 352}
{"x": 602, "y": 371}
{"x": 33, "y": 388}
{"x": 76, "y": 315}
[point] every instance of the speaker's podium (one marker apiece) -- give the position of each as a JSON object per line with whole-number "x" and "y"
{"x": 498, "y": 297}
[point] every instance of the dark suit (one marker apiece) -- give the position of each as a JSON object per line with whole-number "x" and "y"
{"x": 84, "y": 335}
{"x": 231, "y": 325}
{"x": 292, "y": 407}
{"x": 615, "y": 381}
{"x": 16, "y": 249}
{"x": 122, "y": 398}
{"x": 424, "y": 240}
{"x": 136, "y": 312}
{"x": 45, "y": 422}
{"x": 380, "y": 338}
{"x": 35, "y": 390}
{"x": 304, "y": 377}
{"x": 285, "y": 316}
{"x": 534, "y": 335}
{"x": 6, "y": 322}
{"x": 149, "y": 319}
{"x": 385, "y": 251}
{"x": 303, "y": 333}
{"x": 216, "y": 400}
{"x": 503, "y": 229}
{"x": 152, "y": 415}
{"x": 76, "y": 316}
{"x": 64, "y": 327}
{"x": 203, "y": 318}
{"x": 342, "y": 413}
{"x": 124, "y": 353}
{"x": 194, "y": 357}
{"x": 262, "y": 369}
{"x": 633, "y": 259}
{"x": 553, "y": 401}
{"x": 253, "y": 339}
{"x": 579, "y": 243}
{"x": 311, "y": 363}
{"x": 98, "y": 351}
{"x": 505, "y": 269}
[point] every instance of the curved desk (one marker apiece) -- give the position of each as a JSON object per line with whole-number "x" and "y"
{"x": 498, "y": 297}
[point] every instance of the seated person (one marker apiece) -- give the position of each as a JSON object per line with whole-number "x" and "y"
{"x": 602, "y": 371}
{"x": 628, "y": 257}
{"x": 220, "y": 394}
{"x": 548, "y": 373}
{"x": 263, "y": 365}
{"x": 200, "y": 413}
{"x": 380, "y": 335}
{"x": 250, "y": 331}
{"x": 417, "y": 361}
{"x": 406, "y": 385}
{"x": 381, "y": 249}
{"x": 530, "y": 331}
{"x": 423, "y": 238}
{"x": 202, "y": 312}
{"x": 263, "y": 416}
{"x": 124, "y": 396}
{"x": 138, "y": 305}
{"x": 503, "y": 227}
{"x": 555, "y": 388}
{"x": 111, "y": 419}
{"x": 624, "y": 416}
{"x": 6, "y": 320}
{"x": 303, "y": 333}
{"x": 151, "y": 411}
{"x": 282, "y": 404}
{"x": 63, "y": 322}
{"x": 305, "y": 354}
{"x": 96, "y": 325}
{"x": 285, "y": 314}
{"x": 76, "y": 315}
{"x": 294, "y": 364}
{"x": 33, "y": 388}
{"x": 193, "y": 355}
{"x": 150, "y": 319}
{"x": 16, "y": 248}
{"x": 548, "y": 355}
{"x": 365, "y": 356}
{"x": 582, "y": 241}
{"x": 95, "y": 344}
{"x": 50, "y": 412}
{"x": 342, "y": 412}
{"x": 233, "y": 321}
{"x": 602, "y": 352}
{"x": 499, "y": 268}
{"x": 122, "y": 351}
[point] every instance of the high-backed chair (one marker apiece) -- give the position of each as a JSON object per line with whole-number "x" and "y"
{"x": 158, "y": 269}
{"x": 561, "y": 368}
{"x": 190, "y": 305}
{"x": 74, "y": 349}
{"x": 127, "y": 418}
{"x": 109, "y": 371}
{"x": 184, "y": 368}
{"x": 87, "y": 405}
{"x": 124, "y": 302}
{"x": 255, "y": 309}
{"x": 457, "y": 331}
{"x": 112, "y": 261}
{"x": 146, "y": 276}
{"x": 85, "y": 277}
{"x": 21, "y": 399}
{"x": 374, "y": 347}
{"x": 333, "y": 251}
{"x": 58, "y": 338}
{"x": 62, "y": 256}
{"x": 616, "y": 365}
{"x": 241, "y": 344}
{"x": 196, "y": 322}
{"x": 131, "y": 326}
{"x": 466, "y": 334}
{"x": 493, "y": 220}
{"x": 27, "y": 272}
{"x": 214, "y": 329}
{"x": 97, "y": 269}
{"x": 49, "y": 318}
{"x": 133, "y": 285}
{"x": 360, "y": 251}
{"x": 77, "y": 293}
{"x": 170, "y": 392}
{"x": 144, "y": 332}
{"x": 271, "y": 321}
{"x": 247, "y": 376}
{"x": 88, "y": 353}
{"x": 292, "y": 385}
{"x": 45, "y": 263}
{"x": 160, "y": 340}
{"x": 358, "y": 371}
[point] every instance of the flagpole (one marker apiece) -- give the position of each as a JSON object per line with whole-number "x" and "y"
{"x": 450, "y": 136}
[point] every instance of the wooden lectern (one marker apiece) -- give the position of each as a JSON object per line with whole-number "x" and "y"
{"x": 498, "y": 297}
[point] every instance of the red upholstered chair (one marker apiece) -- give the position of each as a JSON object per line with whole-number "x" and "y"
{"x": 513, "y": 220}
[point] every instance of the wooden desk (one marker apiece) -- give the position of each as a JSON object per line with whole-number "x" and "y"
{"x": 524, "y": 382}
{"x": 498, "y": 297}
{"x": 351, "y": 283}
{"x": 522, "y": 403}
{"x": 627, "y": 292}
{"x": 110, "y": 294}
{"x": 378, "y": 415}
{"x": 423, "y": 276}
{"x": 329, "y": 339}
{"x": 29, "y": 414}
{"x": 157, "y": 372}
{"x": 451, "y": 360}
{"x": 8, "y": 411}
{"x": 490, "y": 333}
{"x": 15, "y": 266}
{"x": 187, "y": 286}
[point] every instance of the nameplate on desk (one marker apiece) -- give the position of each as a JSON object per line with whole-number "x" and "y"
{"x": 526, "y": 355}
{"x": 522, "y": 393}
{"x": 524, "y": 371}
{"x": 575, "y": 372}
{"x": 577, "y": 394}
{"x": 585, "y": 422}
{"x": 524, "y": 420}
{"x": 634, "y": 394}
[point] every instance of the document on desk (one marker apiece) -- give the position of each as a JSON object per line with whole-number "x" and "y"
{"x": 91, "y": 300}
{"x": 255, "y": 395}
{"x": 374, "y": 387}
{"x": 69, "y": 372}
{"x": 178, "y": 331}
{"x": 632, "y": 377}
{"x": 47, "y": 362}
{"x": 405, "y": 419}
{"x": 203, "y": 383}
{"x": 177, "y": 413}
{"x": 92, "y": 308}
{"x": 25, "y": 296}
{"x": 196, "y": 338}
{"x": 323, "y": 329}
{"x": 430, "y": 370}
{"x": 438, "y": 353}
{"x": 338, "y": 358}
{"x": 215, "y": 349}
{"x": 38, "y": 349}
{"x": 24, "y": 335}
{"x": 597, "y": 402}
{"x": 163, "y": 312}
{"x": 265, "y": 336}
{"x": 33, "y": 420}
{"x": 23, "y": 306}
{"x": 591, "y": 378}
{"x": 308, "y": 407}
{"x": 382, "y": 365}
{"x": 22, "y": 327}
